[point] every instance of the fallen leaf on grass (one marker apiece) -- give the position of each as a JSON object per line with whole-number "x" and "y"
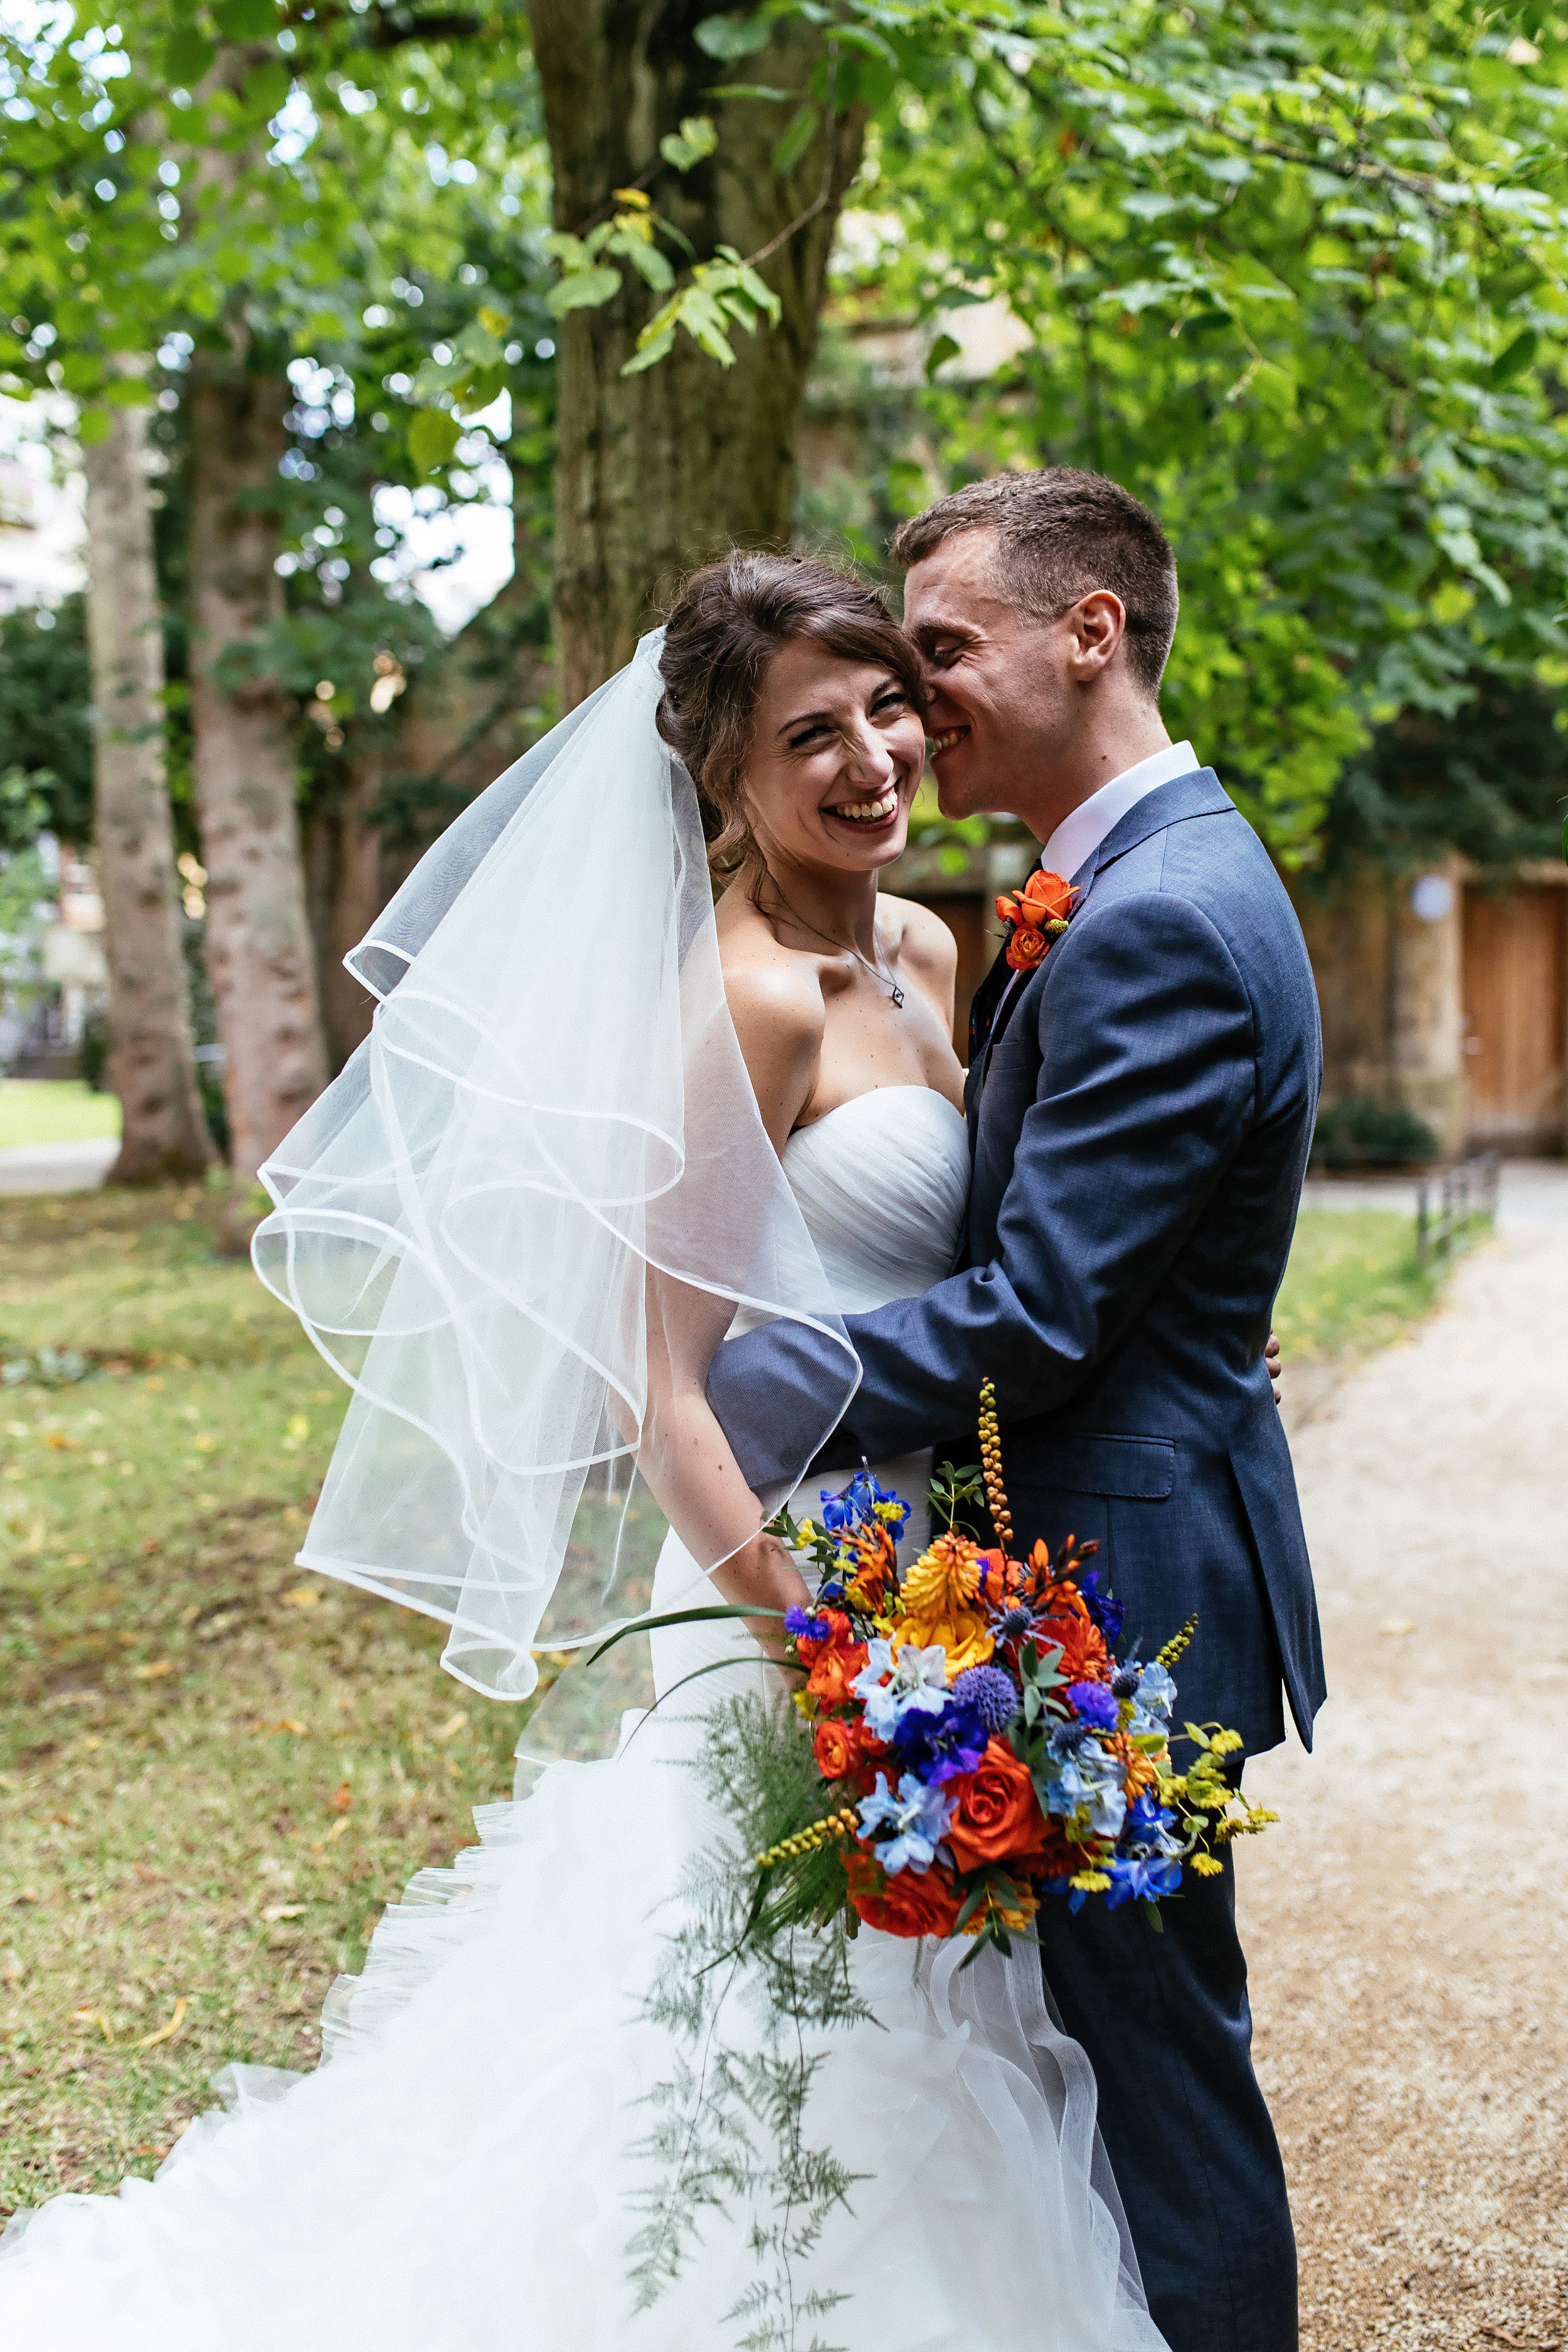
{"x": 93, "y": 2016}
{"x": 341, "y": 1798}
{"x": 149, "y": 1544}
{"x": 302, "y": 1596}
{"x": 283, "y": 1911}
{"x": 453, "y": 1724}
{"x": 59, "y": 1442}
{"x": 151, "y": 1673}
{"x": 165, "y": 2033}
{"x": 286, "y": 1723}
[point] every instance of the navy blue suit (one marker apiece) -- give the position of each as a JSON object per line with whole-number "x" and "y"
{"x": 1141, "y": 1114}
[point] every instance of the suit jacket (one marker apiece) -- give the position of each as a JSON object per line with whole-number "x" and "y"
{"x": 1140, "y": 1116}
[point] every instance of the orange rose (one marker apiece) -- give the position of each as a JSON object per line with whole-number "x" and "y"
{"x": 846, "y": 1751}
{"x": 1027, "y": 947}
{"x": 998, "y": 1817}
{"x": 911, "y": 1903}
{"x": 1047, "y": 897}
{"x": 838, "y": 1665}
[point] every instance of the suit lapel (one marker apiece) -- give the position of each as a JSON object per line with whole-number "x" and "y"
{"x": 1200, "y": 793}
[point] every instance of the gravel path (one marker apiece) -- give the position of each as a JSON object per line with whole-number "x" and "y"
{"x": 1406, "y": 1920}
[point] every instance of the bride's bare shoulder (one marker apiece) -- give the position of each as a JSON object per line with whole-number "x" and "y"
{"x": 924, "y": 941}
{"x": 774, "y": 995}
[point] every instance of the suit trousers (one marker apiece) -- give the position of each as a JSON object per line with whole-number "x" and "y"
{"x": 1164, "y": 2020}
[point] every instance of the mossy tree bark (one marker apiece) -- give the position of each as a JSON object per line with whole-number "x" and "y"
{"x": 657, "y": 471}
{"x": 151, "y": 1062}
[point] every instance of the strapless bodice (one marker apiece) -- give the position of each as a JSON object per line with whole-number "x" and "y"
{"x": 882, "y": 1182}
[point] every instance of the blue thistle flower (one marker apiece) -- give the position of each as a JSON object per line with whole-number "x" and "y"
{"x": 1092, "y": 1702}
{"x": 990, "y": 1693}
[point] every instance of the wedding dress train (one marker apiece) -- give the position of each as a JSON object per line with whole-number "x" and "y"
{"x": 460, "y": 2173}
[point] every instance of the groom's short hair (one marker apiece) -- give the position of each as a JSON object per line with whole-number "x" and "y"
{"x": 1060, "y": 534}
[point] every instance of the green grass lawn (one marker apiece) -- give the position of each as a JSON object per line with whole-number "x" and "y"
{"x": 54, "y": 1110}
{"x": 1352, "y": 1284}
{"x": 214, "y": 1768}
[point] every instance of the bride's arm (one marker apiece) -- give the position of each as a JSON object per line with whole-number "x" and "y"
{"x": 687, "y": 1459}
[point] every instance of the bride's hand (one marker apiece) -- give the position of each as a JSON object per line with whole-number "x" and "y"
{"x": 764, "y": 1575}
{"x": 1271, "y": 1357}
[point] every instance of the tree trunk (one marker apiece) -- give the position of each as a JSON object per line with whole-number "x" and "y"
{"x": 151, "y": 1066}
{"x": 258, "y": 949}
{"x": 343, "y": 869}
{"x": 657, "y": 471}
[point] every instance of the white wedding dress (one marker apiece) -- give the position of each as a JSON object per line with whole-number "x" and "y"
{"x": 459, "y": 2176}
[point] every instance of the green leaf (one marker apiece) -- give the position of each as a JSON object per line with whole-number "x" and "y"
{"x": 945, "y": 348}
{"x": 92, "y": 426}
{"x": 584, "y": 289}
{"x": 651, "y": 264}
{"x": 245, "y": 20}
{"x": 731, "y": 37}
{"x": 267, "y": 88}
{"x": 795, "y": 140}
{"x": 696, "y": 138}
{"x": 1518, "y": 356}
{"x": 128, "y": 392}
{"x": 187, "y": 56}
{"x": 648, "y": 354}
{"x": 759, "y": 90}
{"x": 433, "y": 434}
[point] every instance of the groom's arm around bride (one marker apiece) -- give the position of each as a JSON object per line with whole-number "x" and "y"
{"x": 1141, "y": 1107}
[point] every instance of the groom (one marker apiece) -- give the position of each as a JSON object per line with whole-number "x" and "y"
{"x": 1141, "y": 1105}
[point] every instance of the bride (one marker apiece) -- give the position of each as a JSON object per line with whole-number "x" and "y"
{"x": 598, "y": 1122}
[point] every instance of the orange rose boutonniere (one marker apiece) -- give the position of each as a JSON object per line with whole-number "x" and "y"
{"x": 1039, "y": 913}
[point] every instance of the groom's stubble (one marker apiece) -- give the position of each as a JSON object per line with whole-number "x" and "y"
{"x": 1040, "y": 713}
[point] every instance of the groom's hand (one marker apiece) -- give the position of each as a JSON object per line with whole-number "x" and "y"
{"x": 1271, "y": 1357}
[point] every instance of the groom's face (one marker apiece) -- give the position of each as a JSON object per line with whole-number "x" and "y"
{"x": 1001, "y": 685}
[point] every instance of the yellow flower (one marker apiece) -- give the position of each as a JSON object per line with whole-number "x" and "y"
{"x": 937, "y": 1605}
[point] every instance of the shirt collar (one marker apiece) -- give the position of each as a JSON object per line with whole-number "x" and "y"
{"x": 1078, "y": 836}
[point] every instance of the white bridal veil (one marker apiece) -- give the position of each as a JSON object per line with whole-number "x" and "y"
{"x": 520, "y": 1220}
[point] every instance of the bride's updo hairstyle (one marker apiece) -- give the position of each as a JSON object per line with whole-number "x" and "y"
{"x": 729, "y": 622}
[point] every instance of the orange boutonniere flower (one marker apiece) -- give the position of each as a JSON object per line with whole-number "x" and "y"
{"x": 1039, "y": 914}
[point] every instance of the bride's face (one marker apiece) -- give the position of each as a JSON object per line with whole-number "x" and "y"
{"x": 838, "y": 749}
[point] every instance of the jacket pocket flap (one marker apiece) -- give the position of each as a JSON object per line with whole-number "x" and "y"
{"x": 1143, "y": 1469}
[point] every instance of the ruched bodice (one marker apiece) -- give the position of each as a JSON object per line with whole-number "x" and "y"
{"x": 882, "y": 1182}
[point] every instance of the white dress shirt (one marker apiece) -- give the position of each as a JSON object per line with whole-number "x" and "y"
{"x": 1078, "y": 836}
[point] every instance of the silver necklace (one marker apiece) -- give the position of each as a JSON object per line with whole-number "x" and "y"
{"x": 895, "y": 993}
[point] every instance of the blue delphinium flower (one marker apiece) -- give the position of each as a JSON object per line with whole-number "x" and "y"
{"x": 938, "y": 1748}
{"x": 838, "y": 1511}
{"x": 1157, "y": 1691}
{"x": 1082, "y": 1779}
{"x": 917, "y": 1817}
{"x": 918, "y": 1680}
{"x": 805, "y": 1626}
{"x": 990, "y": 1694}
{"x": 1144, "y": 1882}
{"x": 1107, "y": 1613}
{"x": 1092, "y": 1702}
{"x": 1149, "y": 1830}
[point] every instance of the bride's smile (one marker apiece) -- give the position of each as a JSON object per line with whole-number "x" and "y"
{"x": 836, "y": 756}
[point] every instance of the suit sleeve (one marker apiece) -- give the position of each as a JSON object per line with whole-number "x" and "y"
{"x": 1147, "y": 1084}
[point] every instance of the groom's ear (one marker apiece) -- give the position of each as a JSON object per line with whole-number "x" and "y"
{"x": 1095, "y": 628}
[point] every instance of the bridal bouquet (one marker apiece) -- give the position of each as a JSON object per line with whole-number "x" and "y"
{"x": 978, "y": 1743}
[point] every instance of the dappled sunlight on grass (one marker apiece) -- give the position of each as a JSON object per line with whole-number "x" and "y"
{"x": 1353, "y": 1283}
